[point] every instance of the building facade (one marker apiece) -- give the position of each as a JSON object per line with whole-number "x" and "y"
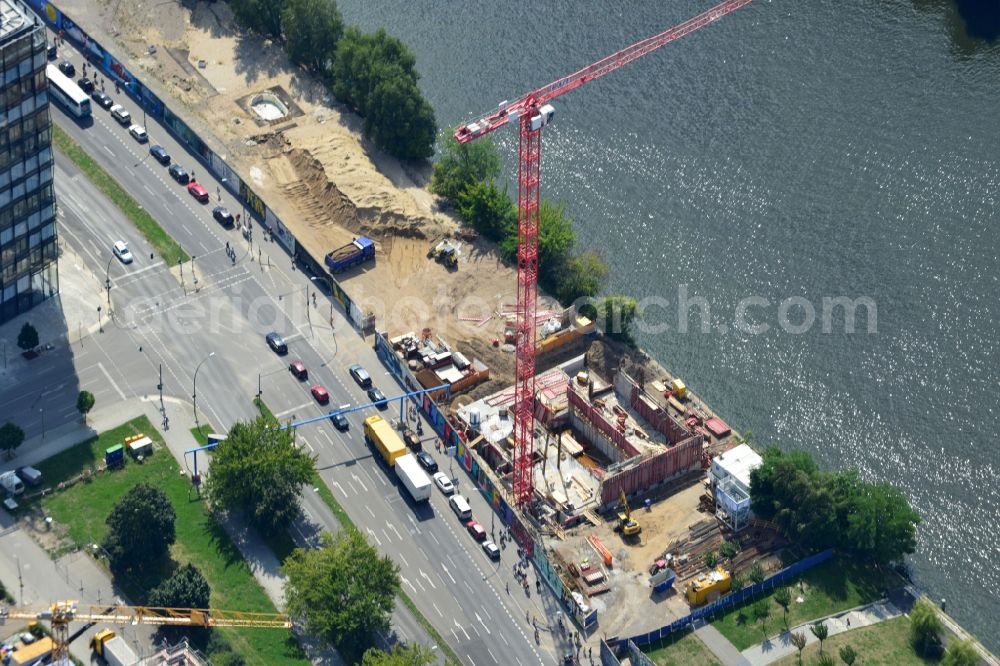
{"x": 28, "y": 248}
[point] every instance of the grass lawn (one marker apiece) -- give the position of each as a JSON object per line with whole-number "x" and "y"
{"x": 835, "y": 585}
{"x": 201, "y": 541}
{"x": 201, "y": 434}
{"x": 686, "y": 651}
{"x": 883, "y": 644}
{"x": 169, "y": 250}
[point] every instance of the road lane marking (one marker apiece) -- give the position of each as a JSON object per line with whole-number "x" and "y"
{"x": 360, "y": 482}
{"x": 458, "y": 626}
{"x": 440, "y": 614}
{"x": 308, "y": 445}
{"x": 372, "y": 533}
{"x": 414, "y": 523}
{"x": 387, "y": 537}
{"x": 449, "y": 574}
{"x": 428, "y": 579}
{"x": 280, "y": 415}
{"x": 107, "y": 374}
{"x": 393, "y": 528}
{"x": 480, "y": 620}
{"x": 407, "y": 581}
{"x": 339, "y": 487}
{"x": 492, "y": 655}
{"x": 434, "y": 536}
{"x": 109, "y": 151}
{"x": 370, "y": 510}
{"x": 405, "y": 563}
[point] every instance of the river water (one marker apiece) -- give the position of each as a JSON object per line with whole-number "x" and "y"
{"x": 793, "y": 150}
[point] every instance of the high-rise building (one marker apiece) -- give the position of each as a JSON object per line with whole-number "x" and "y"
{"x": 28, "y": 250}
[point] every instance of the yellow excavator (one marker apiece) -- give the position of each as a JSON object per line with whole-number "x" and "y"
{"x": 628, "y": 527}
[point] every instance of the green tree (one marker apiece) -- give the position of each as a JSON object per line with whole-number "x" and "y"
{"x": 925, "y": 625}
{"x": 363, "y": 60}
{"x": 615, "y": 316}
{"x": 799, "y": 641}
{"x": 581, "y": 276}
{"x": 260, "y": 16}
{"x": 260, "y": 471}
{"x": 728, "y": 549}
{"x": 756, "y": 573}
{"x": 84, "y": 403}
{"x": 820, "y": 631}
{"x": 737, "y": 582}
{"x": 761, "y": 611}
{"x": 824, "y": 660}
{"x": 460, "y": 165}
{"x": 399, "y": 120}
{"x": 27, "y": 339}
{"x": 312, "y": 29}
{"x": 555, "y": 237}
{"x": 848, "y": 655}
{"x": 11, "y": 437}
{"x": 410, "y": 655}
{"x": 186, "y": 588}
{"x": 882, "y": 525}
{"x": 711, "y": 559}
{"x": 783, "y": 597}
{"x": 961, "y": 652}
{"x": 488, "y": 210}
{"x": 344, "y": 591}
{"x": 140, "y": 528}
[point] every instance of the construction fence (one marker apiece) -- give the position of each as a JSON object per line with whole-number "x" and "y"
{"x": 254, "y": 207}
{"x": 729, "y": 601}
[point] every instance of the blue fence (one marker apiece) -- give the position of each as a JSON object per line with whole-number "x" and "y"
{"x": 731, "y": 600}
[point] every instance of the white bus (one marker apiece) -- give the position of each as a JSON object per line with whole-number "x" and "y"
{"x": 62, "y": 89}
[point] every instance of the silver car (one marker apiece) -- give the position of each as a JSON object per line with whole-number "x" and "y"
{"x": 122, "y": 252}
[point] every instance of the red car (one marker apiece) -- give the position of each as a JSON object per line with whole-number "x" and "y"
{"x": 476, "y": 530}
{"x": 298, "y": 368}
{"x": 322, "y": 397}
{"x": 198, "y": 191}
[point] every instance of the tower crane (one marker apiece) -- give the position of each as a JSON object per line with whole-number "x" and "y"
{"x": 533, "y": 112}
{"x": 61, "y": 613}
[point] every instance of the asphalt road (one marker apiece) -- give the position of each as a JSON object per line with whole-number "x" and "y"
{"x": 178, "y": 324}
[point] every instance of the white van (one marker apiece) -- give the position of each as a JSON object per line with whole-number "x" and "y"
{"x": 11, "y": 483}
{"x": 460, "y": 506}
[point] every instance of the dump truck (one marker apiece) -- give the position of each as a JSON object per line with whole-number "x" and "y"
{"x": 357, "y": 251}
{"x": 413, "y": 477}
{"x": 379, "y": 433}
{"x": 113, "y": 649}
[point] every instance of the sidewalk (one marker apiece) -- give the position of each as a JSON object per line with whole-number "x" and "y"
{"x": 781, "y": 645}
{"x": 720, "y": 646}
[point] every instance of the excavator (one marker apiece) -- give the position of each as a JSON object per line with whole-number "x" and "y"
{"x": 628, "y": 527}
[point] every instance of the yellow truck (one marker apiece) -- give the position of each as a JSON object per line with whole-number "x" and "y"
{"x": 30, "y": 654}
{"x": 379, "y": 433}
{"x": 708, "y": 587}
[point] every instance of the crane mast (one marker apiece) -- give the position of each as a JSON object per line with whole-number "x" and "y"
{"x": 532, "y": 112}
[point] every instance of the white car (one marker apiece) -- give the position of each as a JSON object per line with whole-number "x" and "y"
{"x": 443, "y": 483}
{"x": 138, "y": 133}
{"x": 491, "y": 550}
{"x": 122, "y": 252}
{"x": 121, "y": 114}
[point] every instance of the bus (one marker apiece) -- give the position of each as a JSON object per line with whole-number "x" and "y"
{"x": 62, "y": 89}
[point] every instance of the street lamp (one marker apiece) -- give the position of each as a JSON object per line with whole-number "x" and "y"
{"x": 107, "y": 280}
{"x": 100, "y": 323}
{"x": 330, "y": 280}
{"x": 194, "y": 388}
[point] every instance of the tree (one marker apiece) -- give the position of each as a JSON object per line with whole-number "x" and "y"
{"x": 260, "y": 471}
{"x": 581, "y": 276}
{"x": 925, "y": 625}
{"x": 615, "y": 315}
{"x": 761, "y": 611}
{"x": 756, "y": 573}
{"x": 261, "y": 16}
{"x": 728, "y": 549}
{"x": 363, "y": 60}
{"x": 461, "y": 165}
{"x": 824, "y": 660}
{"x": 882, "y": 525}
{"x": 961, "y": 652}
{"x": 820, "y": 631}
{"x": 783, "y": 597}
{"x": 555, "y": 237}
{"x": 85, "y": 403}
{"x": 11, "y": 437}
{"x": 312, "y": 29}
{"x": 27, "y": 339}
{"x": 399, "y": 120}
{"x": 711, "y": 559}
{"x": 186, "y": 588}
{"x": 799, "y": 641}
{"x": 848, "y": 655}
{"x": 737, "y": 582}
{"x": 410, "y": 655}
{"x": 343, "y": 591}
{"x": 140, "y": 528}
{"x": 488, "y": 210}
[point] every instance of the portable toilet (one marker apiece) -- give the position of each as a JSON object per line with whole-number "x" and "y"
{"x": 114, "y": 456}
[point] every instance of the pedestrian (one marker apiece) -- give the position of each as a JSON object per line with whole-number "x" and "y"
{"x": 227, "y": 247}
{"x": 507, "y": 586}
{"x": 590, "y": 653}
{"x": 848, "y": 623}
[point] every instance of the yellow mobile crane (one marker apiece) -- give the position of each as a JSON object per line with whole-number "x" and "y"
{"x": 61, "y": 613}
{"x": 627, "y": 526}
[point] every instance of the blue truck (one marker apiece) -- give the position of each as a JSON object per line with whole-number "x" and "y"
{"x": 357, "y": 251}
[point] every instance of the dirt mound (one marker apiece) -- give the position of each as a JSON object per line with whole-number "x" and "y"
{"x": 607, "y": 357}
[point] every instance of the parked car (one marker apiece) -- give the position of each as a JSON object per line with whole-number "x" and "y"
{"x": 102, "y": 99}
{"x": 427, "y": 462}
{"x": 178, "y": 173}
{"x": 198, "y": 191}
{"x": 160, "y": 154}
{"x": 377, "y": 396}
{"x": 318, "y": 392}
{"x": 67, "y": 68}
{"x": 51, "y": 50}
{"x": 340, "y": 422}
{"x": 491, "y": 550}
{"x": 443, "y": 483}
{"x": 121, "y": 114}
{"x": 138, "y": 133}
{"x": 477, "y": 531}
{"x": 276, "y": 343}
{"x": 223, "y": 216}
{"x": 360, "y": 375}
{"x": 86, "y": 85}
{"x": 30, "y": 475}
{"x": 122, "y": 252}
{"x": 298, "y": 369}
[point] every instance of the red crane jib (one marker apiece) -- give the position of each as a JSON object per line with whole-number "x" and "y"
{"x": 529, "y": 111}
